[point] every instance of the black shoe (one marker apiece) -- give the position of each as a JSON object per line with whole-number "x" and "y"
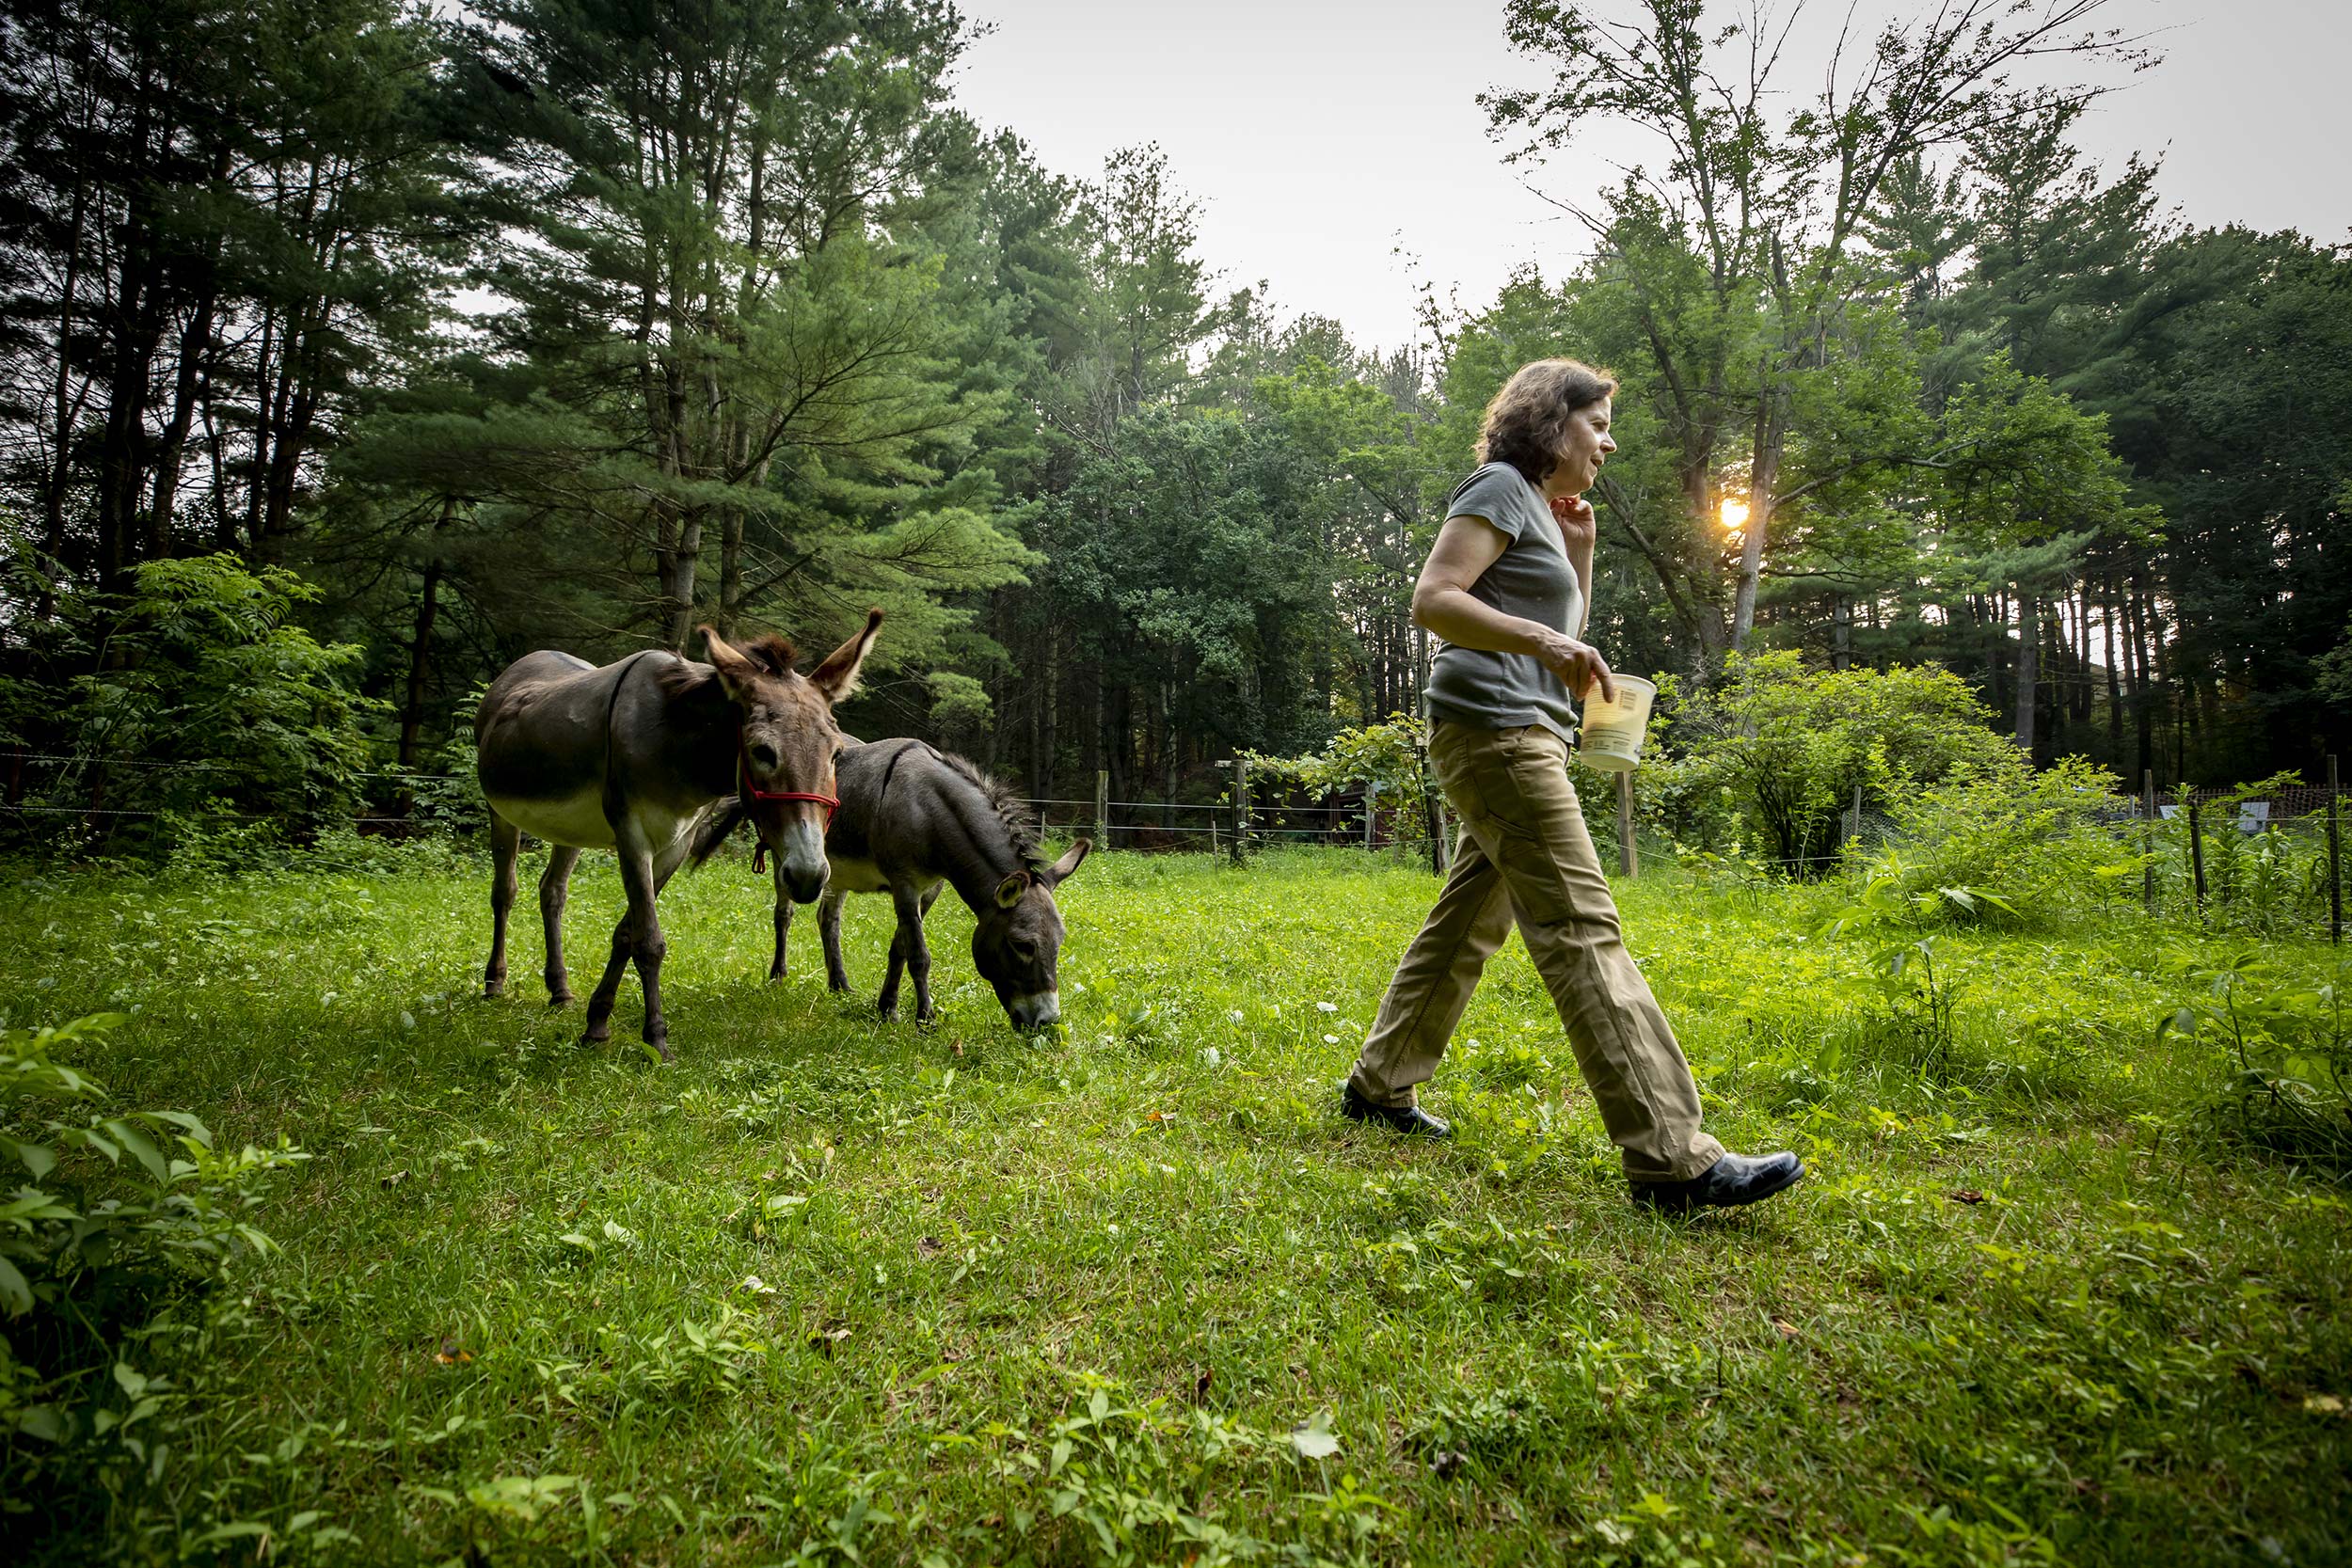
{"x": 1730, "y": 1181}
{"x": 1411, "y": 1120}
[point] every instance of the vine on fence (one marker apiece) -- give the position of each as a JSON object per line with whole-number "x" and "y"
{"x": 1386, "y": 757}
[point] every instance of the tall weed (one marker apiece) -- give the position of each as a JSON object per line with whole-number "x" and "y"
{"x": 2000, "y": 843}
{"x": 2288, "y": 1048}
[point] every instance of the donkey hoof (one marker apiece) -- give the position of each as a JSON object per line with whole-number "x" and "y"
{"x": 559, "y": 999}
{"x": 661, "y": 1046}
{"x": 927, "y": 1021}
{"x": 493, "y": 990}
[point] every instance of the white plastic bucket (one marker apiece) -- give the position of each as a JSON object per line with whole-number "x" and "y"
{"x": 1612, "y": 732}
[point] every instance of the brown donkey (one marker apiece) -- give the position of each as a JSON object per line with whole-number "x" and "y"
{"x": 631, "y": 756}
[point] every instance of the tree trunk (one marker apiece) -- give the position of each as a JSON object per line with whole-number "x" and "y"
{"x": 194, "y": 350}
{"x": 1763, "y": 475}
{"x": 1118, "y": 727}
{"x": 678, "y": 582}
{"x": 1168, "y": 753}
{"x": 420, "y": 647}
{"x": 1049, "y": 697}
{"x": 68, "y": 405}
{"x": 2144, "y": 656}
{"x": 129, "y": 354}
{"x": 2115, "y": 688}
{"x": 2028, "y": 667}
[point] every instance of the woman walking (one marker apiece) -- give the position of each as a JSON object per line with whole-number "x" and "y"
{"x": 1505, "y": 588}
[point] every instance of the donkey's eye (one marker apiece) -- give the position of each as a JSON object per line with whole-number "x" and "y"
{"x": 764, "y": 754}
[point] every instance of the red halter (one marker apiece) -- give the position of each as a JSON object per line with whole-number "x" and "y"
{"x": 751, "y": 791}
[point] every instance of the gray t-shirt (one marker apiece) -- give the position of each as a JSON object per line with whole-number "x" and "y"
{"x": 1532, "y": 580}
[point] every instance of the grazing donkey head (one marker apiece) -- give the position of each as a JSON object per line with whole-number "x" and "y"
{"x": 1018, "y": 942}
{"x": 785, "y": 756}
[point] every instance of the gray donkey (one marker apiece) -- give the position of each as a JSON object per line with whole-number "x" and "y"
{"x": 634, "y": 757}
{"x": 912, "y": 819}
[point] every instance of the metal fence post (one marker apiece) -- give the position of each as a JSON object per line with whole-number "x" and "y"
{"x": 2197, "y": 850}
{"x": 2148, "y": 839}
{"x": 1102, "y": 808}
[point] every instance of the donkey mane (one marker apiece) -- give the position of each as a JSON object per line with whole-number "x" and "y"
{"x": 769, "y": 651}
{"x": 1021, "y": 830}
{"x": 683, "y": 678}
{"x": 679, "y": 679}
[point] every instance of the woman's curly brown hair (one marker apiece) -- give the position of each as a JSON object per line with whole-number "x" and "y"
{"x": 1524, "y": 423}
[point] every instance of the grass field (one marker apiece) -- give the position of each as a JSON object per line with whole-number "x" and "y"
{"x": 830, "y": 1290}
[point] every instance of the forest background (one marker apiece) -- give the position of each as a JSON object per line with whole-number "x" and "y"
{"x": 348, "y": 351}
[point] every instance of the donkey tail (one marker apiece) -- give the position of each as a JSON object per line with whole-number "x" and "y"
{"x": 716, "y": 828}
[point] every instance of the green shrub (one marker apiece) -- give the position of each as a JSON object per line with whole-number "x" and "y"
{"x": 1999, "y": 840}
{"x": 1785, "y": 747}
{"x": 125, "y": 1214}
{"x": 203, "y": 704}
{"x": 1392, "y": 757}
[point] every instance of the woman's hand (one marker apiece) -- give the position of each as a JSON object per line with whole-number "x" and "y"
{"x": 1577, "y": 525}
{"x": 1578, "y": 664}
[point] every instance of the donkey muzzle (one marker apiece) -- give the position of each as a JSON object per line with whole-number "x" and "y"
{"x": 800, "y": 867}
{"x": 1035, "y": 1011}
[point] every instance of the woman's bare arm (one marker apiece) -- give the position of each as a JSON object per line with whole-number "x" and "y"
{"x": 1443, "y": 605}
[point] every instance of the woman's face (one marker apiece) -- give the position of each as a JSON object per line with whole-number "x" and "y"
{"x": 1584, "y": 445}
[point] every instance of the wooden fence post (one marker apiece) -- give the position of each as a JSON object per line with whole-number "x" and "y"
{"x": 2148, "y": 839}
{"x": 1241, "y": 809}
{"x": 1628, "y": 863}
{"x": 2196, "y": 851}
{"x": 1372, "y": 797}
{"x": 1102, "y": 807}
{"x": 2335, "y": 860}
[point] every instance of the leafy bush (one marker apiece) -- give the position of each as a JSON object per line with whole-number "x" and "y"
{"x": 1789, "y": 746}
{"x": 205, "y": 704}
{"x": 125, "y": 1213}
{"x": 1391, "y": 756}
{"x": 1999, "y": 840}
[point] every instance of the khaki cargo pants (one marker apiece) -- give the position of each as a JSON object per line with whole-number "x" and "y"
{"x": 1526, "y": 857}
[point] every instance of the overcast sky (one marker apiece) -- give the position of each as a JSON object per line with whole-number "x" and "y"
{"x": 1340, "y": 154}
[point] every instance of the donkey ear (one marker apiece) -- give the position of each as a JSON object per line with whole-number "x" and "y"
{"x": 836, "y": 677}
{"x": 1009, "y": 892}
{"x": 1053, "y": 874}
{"x": 735, "y": 671}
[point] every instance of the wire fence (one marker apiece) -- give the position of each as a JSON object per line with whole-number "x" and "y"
{"x": 2269, "y": 861}
{"x": 1149, "y": 826}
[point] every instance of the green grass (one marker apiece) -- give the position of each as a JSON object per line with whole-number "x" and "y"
{"x": 829, "y": 1288}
